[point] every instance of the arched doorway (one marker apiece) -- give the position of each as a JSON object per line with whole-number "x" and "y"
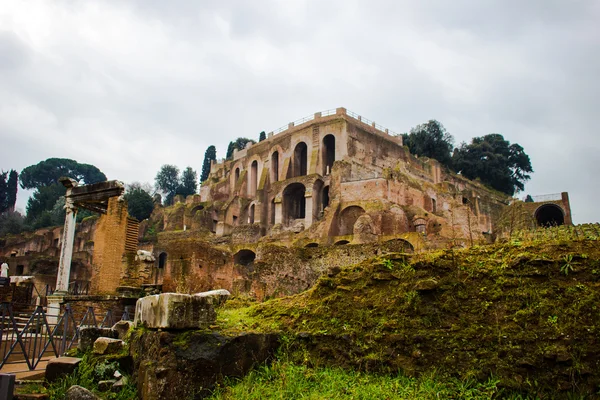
{"x": 294, "y": 202}
{"x": 300, "y": 161}
{"x": 162, "y": 260}
{"x": 328, "y": 151}
{"x": 237, "y": 174}
{"x": 325, "y": 197}
{"x": 549, "y": 215}
{"x": 347, "y": 219}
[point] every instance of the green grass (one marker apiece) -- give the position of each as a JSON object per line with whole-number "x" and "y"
{"x": 284, "y": 380}
{"x": 88, "y": 373}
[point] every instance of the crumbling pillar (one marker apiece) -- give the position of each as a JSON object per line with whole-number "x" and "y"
{"x": 308, "y": 210}
{"x": 278, "y": 211}
{"x": 66, "y": 248}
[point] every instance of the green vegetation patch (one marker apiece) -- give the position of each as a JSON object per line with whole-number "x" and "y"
{"x": 526, "y": 314}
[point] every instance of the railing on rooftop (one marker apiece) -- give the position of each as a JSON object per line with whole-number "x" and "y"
{"x": 547, "y": 197}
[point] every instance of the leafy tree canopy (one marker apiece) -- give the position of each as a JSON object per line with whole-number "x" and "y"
{"x": 139, "y": 201}
{"x": 209, "y": 155}
{"x": 46, "y": 173}
{"x": 430, "y": 140}
{"x": 498, "y": 163}
{"x": 170, "y": 183}
{"x": 262, "y": 136}
{"x": 238, "y": 144}
{"x": 188, "y": 182}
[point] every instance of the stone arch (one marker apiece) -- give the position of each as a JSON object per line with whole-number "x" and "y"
{"x": 236, "y": 172}
{"x": 420, "y": 225}
{"x": 341, "y": 242}
{"x": 399, "y": 246}
{"x": 197, "y": 208}
{"x": 276, "y": 163}
{"x": 347, "y": 219}
{"x": 328, "y": 153}
{"x": 294, "y": 202}
{"x": 549, "y": 215}
{"x": 311, "y": 245}
{"x": 299, "y": 165}
{"x": 244, "y": 257}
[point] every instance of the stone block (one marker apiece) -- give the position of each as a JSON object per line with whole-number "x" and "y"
{"x": 179, "y": 311}
{"x": 76, "y": 392}
{"x": 122, "y": 328}
{"x": 88, "y": 335}
{"x": 104, "y": 346}
{"x": 105, "y": 386}
{"x": 61, "y": 366}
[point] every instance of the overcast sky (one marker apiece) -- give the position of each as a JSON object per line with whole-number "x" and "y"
{"x": 131, "y": 85}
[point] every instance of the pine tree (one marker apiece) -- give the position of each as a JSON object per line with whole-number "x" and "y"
{"x": 209, "y": 155}
{"x": 262, "y": 136}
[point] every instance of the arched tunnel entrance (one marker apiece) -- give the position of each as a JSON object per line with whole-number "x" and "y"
{"x": 549, "y": 215}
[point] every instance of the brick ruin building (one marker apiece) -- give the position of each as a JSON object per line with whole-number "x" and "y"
{"x": 328, "y": 190}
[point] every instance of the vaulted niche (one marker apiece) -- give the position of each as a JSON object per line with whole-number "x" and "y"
{"x": 253, "y": 178}
{"x": 244, "y": 257}
{"x": 328, "y": 151}
{"x": 549, "y": 215}
{"x": 251, "y": 214}
{"x": 275, "y": 166}
{"x": 294, "y": 202}
{"x": 237, "y": 175}
{"x": 325, "y": 197}
{"x": 300, "y": 162}
{"x": 162, "y": 260}
{"x": 347, "y": 219}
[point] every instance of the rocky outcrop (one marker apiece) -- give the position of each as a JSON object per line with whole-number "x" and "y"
{"x": 188, "y": 364}
{"x": 61, "y": 366}
{"x": 76, "y": 392}
{"x": 179, "y": 311}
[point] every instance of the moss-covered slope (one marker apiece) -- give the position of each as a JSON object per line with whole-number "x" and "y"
{"x": 527, "y": 314}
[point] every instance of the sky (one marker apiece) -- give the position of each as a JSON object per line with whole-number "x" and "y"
{"x": 131, "y": 85}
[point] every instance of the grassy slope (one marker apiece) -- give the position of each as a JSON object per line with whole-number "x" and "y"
{"x": 525, "y": 314}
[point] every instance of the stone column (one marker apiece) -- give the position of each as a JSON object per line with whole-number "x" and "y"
{"x": 278, "y": 211}
{"x": 66, "y": 248}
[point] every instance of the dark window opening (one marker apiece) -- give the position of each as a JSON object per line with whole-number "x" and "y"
{"x": 235, "y": 218}
{"x": 341, "y": 242}
{"x": 325, "y": 197}
{"x": 465, "y": 200}
{"x": 312, "y": 245}
{"x": 20, "y": 270}
{"x": 273, "y": 212}
{"x": 162, "y": 260}
{"x": 328, "y": 153}
{"x": 300, "y": 165}
{"x": 275, "y": 166}
{"x": 253, "y": 177}
{"x": 214, "y": 226}
{"x": 251, "y": 215}
{"x": 244, "y": 257}
{"x": 433, "y": 206}
{"x": 294, "y": 202}
{"x": 237, "y": 175}
{"x": 549, "y": 215}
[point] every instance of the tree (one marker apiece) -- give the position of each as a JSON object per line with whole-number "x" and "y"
{"x": 43, "y": 177}
{"x": 139, "y": 201}
{"x": 46, "y": 173}
{"x": 496, "y": 162}
{"x": 209, "y": 155}
{"x": 188, "y": 182}
{"x": 8, "y": 190}
{"x": 430, "y": 140}
{"x": 11, "y": 222}
{"x": 167, "y": 181}
{"x": 239, "y": 144}
{"x": 262, "y": 136}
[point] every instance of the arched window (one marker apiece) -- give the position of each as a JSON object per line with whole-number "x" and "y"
{"x": 300, "y": 162}
{"x": 237, "y": 175}
{"x": 251, "y": 215}
{"x": 244, "y": 257}
{"x": 328, "y": 151}
{"x": 549, "y": 215}
{"x": 275, "y": 166}
{"x": 294, "y": 202}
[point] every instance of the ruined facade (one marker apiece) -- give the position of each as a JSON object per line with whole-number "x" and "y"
{"x": 329, "y": 190}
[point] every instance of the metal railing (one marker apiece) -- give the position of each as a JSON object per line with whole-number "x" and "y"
{"x": 547, "y": 197}
{"x": 29, "y": 337}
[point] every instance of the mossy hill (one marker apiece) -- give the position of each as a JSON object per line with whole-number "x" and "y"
{"x": 525, "y": 314}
